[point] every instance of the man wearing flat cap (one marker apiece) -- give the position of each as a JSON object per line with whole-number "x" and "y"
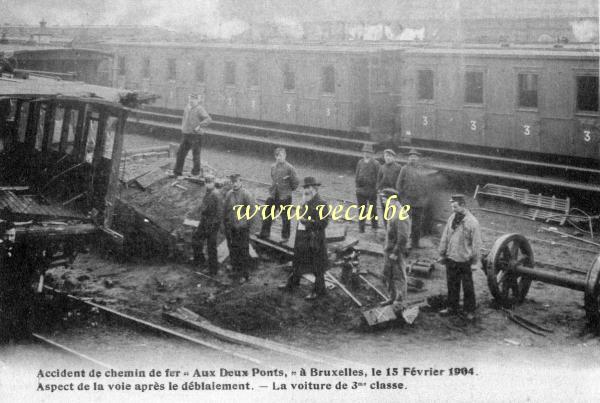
{"x": 395, "y": 251}
{"x": 460, "y": 249}
{"x": 388, "y": 175}
{"x": 211, "y": 213}
{"x": 15, "y": 294}
{"x": 195, "y": 119}
{"x": 310, "y": 248}
{"x": 237, "y": 232}
{"x": 367, "y": 171}
{"x": 285, "y": 181}
{"x": 411, "y": 188}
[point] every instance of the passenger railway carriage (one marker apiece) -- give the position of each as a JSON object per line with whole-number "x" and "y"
{"x": 541, "y": 100}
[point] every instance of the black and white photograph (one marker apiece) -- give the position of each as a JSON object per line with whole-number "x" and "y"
{"x": 309, "y": 200}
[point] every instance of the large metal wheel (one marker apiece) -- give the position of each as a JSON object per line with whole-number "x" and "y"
{"x": 506, "y": 285}
{"x": 592, "y": 294}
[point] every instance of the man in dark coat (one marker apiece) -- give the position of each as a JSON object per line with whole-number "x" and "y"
{"x": 367, "y": 171}
{"x": 195, "y": 119}
{"x": 285, "y": 181}
{"x": 411, "y": 188}
{"x": 310, "y": 248}
{"x": 15, "y": 288}
{"x": 388, "y": 175}
{"x": 237, "y": 231}
{"x": 211, "y": 216}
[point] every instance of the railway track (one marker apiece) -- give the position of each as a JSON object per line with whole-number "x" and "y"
{"x": 568, "y": 178}
{"x": 105, "y": 337}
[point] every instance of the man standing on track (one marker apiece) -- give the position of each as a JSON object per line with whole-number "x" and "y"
{"x": 237, "y": 231}
{"x": 367, "y": 171}
{"x": 411, "y": 189}
{"x": 285, "y": 181}
{"x": 310, "y": 248}
{"x": 195, "y": 118}
{"x": 211, "y": 213}
{"x": 460, "y": 249}
{"x": 395, "y": 252}
{"x": 388, "y": 176}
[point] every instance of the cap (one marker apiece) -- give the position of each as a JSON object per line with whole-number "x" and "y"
{"x": 367, "y": 148}
{"x": 389, "y": 151}
{"x": 279, "y": 150}
{"x": 414, "y": 152}
{"x": 235, "y": 176}
{"x": 310, "y": 181}
{"x": 209, "y": 178}
{"x": 194, "y": 96}
{"x": 459, "y": 198}
{"x": 389, "y": 192}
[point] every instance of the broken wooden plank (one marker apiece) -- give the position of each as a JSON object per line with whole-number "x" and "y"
{"x": 272, "y": 245}
{"x": 149, "y": 178}
{"x": 194, "y": 321}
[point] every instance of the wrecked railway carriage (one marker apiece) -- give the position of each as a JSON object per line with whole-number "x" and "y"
{"x": 60, "y": 150}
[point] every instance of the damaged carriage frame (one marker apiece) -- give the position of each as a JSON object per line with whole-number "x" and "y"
{"x": 59, "y": 172}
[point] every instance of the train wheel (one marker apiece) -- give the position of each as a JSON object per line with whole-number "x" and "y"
{"x": 592, "y": 294}
{"x": 506, "y": 285}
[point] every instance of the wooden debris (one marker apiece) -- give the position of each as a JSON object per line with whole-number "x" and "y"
{"x": 185, "y": 317}
{"x": 149, "y": 178}
{"x": 336, "y": 233}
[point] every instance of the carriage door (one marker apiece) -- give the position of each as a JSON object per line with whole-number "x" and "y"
{"x": 360, "y": 92}
{"x": 587, "y": 126}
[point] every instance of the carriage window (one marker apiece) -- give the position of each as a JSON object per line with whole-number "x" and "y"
{"x": 289, "y": 78}
{"x": 71, "y": 129}
{"x": 229, "y": 73}
{"x": 587, "y": 93}
{"x": 109, "y": 136}
{"x": 200, "y": 71}
{"x": 252, "y": 73}
{"x": 171, "y": 69}
{"x": 146, "y": 68}
{"x": 58, "y": 123}
{"x": 328, "y": 79}
{"x": 90, "y": 144}
{"x": 528, "y": 90}
{"x": 39, "y": 134}
{"x": 122, "y": 65}
{"x": 474, "y": 87}
{"x": 23, "y": 118}
{"x": 380, "y": 74}
{"x": 425, "y": 78}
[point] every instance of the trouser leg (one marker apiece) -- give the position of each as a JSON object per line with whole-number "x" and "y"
{"x": 211, "y": 249}
{"x": 239, "y": 253}
{"x": 196, "y": 148}
{"x": 361, "y": 202}
{"x": 401, "y": 280}
{"x": 388, "y": 273}
{"x": 383, "y": 201}
{"x": 469, "y": 303}
{"x": 373, "y": 202}
{"x": 198, "y": 245}
{"x": 294, "y": 279}
{"x": 286, "y": 227}
{"x": 417, "y": 218}
{"x": 265, "y": 230}
{"x": 319, "y": 282}
{"x": 182, "y": 152}
{"x": 453, "y": 280}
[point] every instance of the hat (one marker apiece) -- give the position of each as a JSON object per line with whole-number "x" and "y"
{"x": 389, "y": 192}
{"x": 194, "y": 96}
{"x": 414, "y": 152}
{"x": 459, "y": 198}
{"x": 310, "y": 181}
{"x": 367, "y": 148}
{"x": 234, "y": 177}
{"x": 389, "y": 151}
{"x": 5, "y": 226}
{"x": 279, "y": 150}
{"x": 209, "y": 178}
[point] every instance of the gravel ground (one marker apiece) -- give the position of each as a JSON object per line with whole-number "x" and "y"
{"x": 333, "y": 324}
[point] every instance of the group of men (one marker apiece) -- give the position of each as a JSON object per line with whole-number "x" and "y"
{"x": 460, "y": 244}
{"x": 384, "y": 183}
